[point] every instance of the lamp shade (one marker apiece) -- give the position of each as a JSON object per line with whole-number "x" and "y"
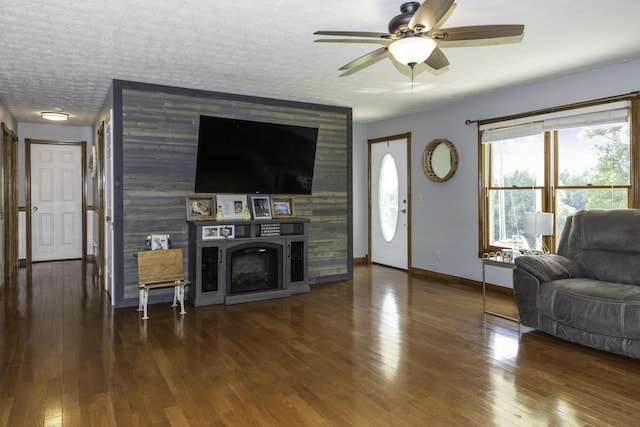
{"x": 412, "y": 50}
{"x": 538, "y": 223}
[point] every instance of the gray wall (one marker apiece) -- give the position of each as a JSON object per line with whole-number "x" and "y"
{"x": 447, "y": 218}
{"x": 155, "y": 146}
{"x": 360, "y": 190}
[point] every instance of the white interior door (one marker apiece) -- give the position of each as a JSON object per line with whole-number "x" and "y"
{"x": 389, "y": 207}
{"x": 108, "y": 208}
{"x": 56, "y": 202}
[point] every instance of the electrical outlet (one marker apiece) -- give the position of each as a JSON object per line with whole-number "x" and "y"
{"x": 418, "y": 198}
{"x": 438, "y": 254}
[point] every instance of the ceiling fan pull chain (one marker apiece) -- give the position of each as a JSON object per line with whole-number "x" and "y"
{"x": 412, "y": 66}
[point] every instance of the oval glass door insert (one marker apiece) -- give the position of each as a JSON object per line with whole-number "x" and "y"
{"x": 388, "y": 200}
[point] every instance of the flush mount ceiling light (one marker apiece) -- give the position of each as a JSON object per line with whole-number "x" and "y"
{"x": 54, "y": 115}
{"x": 412, "y": 50}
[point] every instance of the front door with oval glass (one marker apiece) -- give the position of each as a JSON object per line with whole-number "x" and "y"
{"x": 389, "y": 207}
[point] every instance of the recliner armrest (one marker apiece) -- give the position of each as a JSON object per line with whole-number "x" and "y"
{"x": 548, "y": 267}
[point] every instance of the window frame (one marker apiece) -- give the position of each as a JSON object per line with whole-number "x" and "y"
{"x": 551, "y": 175}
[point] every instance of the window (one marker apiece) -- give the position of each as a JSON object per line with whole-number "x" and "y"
{"x": 388, "y": 197}
{"x": 558, "y": 162}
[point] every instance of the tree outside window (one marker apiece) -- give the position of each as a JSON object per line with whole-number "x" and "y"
{"x": 559, "y": 171}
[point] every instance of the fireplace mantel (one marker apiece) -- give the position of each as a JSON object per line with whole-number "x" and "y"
{"x": 212, "y": 242}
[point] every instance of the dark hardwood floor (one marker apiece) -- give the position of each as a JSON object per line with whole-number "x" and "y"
{"x": 382, "y": 350}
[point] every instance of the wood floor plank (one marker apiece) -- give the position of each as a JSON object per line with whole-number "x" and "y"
{"x": 6, "y": 403}
{"x": 383, "y": 349}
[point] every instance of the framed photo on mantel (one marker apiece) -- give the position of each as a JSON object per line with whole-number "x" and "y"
{"x": 200, "y": 207}
{"x": 282, "y": 207}
{"x": 211, "y": 232}
{"x": 261, "y": 207}
{"x": 232, "y": 205}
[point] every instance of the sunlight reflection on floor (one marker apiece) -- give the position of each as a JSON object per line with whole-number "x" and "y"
{"x": 504, "y": 350}
{"x": 503, "y": 347}
{"x": 389, "y": 336}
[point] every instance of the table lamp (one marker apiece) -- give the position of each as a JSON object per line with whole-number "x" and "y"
{"x": 539, "y": 224}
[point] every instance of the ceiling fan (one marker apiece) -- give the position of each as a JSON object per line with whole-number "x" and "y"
{"x": 415, "y": 35}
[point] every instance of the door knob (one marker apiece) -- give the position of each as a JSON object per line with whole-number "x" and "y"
{"x": 403, "y": 211}
{"x": 35, "y": 208}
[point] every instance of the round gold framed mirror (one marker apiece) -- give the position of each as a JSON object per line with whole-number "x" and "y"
{"x": 440, "y": 160}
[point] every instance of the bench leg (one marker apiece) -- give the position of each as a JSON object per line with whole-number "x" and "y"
{"x": 140, "y": 298}
{"x": 144, "y": 304}
{"x": 178, "y": 294}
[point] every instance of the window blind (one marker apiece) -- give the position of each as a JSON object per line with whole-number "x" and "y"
{"x": 614, "y": 112}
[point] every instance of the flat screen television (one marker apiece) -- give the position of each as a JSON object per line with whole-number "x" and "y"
{"x": 247, "y": 157}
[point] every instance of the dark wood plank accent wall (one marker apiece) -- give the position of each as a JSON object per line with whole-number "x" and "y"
{"x": 159, "y": 133}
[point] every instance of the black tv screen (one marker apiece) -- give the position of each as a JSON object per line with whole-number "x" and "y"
{"x": 247, "y": 157}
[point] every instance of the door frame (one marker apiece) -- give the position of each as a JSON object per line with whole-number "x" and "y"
{"x": 98, "y": 201}
{"x": 10, "y": 203}
{"x": 103, "y": 201}
{"x": 83, "y": 173}
{"x": 370, "y": 142}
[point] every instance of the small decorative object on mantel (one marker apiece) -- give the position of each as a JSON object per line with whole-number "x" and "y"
{"x": 226, "y": 232}
{"x": 219, "y": 214}
{"x": 440, "y": 160}
{"x": 245, "y": 213}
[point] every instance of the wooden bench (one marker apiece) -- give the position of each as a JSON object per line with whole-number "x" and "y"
{"x": 161, "y": 269}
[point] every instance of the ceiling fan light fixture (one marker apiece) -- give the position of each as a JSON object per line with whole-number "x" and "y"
{"x": 54, "y": 115}
{"x": 412, "y": 50}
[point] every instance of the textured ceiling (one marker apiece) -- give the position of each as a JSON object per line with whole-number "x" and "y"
{"x": 66, "y": 54}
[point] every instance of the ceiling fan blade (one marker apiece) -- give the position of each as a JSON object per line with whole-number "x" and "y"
{"x": 370, "y": 41}
{"x": 437, "y": 59}
{"x": 354, "y": 34}
{"x": 477, "y": 32}
{"x": 442, "y": 20}
{"x": 364, "y": 58}
{"x": 429, "y": 14}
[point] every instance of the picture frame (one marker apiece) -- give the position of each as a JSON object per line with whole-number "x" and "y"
{"x": 261, "y": 207}
{"x": 233, "y": 206}
{"x": 93, "y": 161}
{"x": 282, "y": 207}
{"x": 213, "y": 232}
{"x": 159, "y": 242}
{"x": 200, "y": 207}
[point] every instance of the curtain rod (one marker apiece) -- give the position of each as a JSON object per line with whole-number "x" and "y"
{"x": 631, "y": 95}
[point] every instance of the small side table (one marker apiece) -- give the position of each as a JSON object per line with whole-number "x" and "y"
{"x": 495, "y": 262}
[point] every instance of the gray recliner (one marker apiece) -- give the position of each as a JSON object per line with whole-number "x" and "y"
{"x": 589, "y": 292}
